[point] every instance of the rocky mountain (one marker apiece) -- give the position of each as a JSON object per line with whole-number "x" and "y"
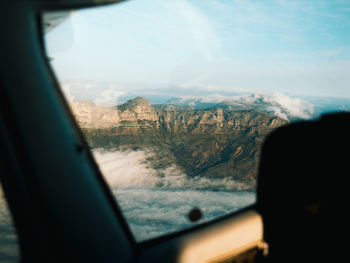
{"x": 279, "y": 104}
{"x": 211, "y": 142}
{"x": 89, "y": 115}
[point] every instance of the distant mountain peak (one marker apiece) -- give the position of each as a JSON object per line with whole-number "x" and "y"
{"x": 132, "y": 103}
{"x": 139, "y": 101}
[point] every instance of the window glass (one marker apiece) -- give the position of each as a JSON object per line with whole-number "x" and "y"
{"x": 175, "y": 98}
{"x": 9, "y": 249}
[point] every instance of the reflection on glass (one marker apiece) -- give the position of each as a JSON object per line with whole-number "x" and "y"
{"x": 175, "y": 98}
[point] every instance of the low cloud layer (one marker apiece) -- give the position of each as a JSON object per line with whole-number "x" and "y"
{"x": 157, "y": 202}
{"x": 154, "y": 212}
{"x": 123, "y": 169}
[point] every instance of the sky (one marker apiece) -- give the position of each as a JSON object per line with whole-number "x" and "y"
{"x": 293, "y": 47}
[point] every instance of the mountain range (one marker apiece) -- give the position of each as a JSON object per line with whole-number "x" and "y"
{"x": 212, "y": 142}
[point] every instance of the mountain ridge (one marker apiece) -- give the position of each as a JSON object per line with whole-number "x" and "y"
{"x": 213, "y": 143}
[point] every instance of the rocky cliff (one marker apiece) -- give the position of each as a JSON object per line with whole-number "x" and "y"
{"x": 89, "y": 115}
{"x": 212, "y": 142}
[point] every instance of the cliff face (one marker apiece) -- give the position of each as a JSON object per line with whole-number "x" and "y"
{"x": 89, "y": 115}
{"x": 138, "y": 114}
{"x": 211, "y": 142}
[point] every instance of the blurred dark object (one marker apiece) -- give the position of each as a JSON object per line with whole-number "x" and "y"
{"x": 302, "y": 188}
{"x": 195, "y": 214}
{"x": 70, "y": 4}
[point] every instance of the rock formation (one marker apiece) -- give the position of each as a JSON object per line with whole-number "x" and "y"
{"x": 212, "y": 142}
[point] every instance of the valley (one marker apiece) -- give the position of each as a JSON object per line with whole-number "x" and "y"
{"x": 210, "y": 142}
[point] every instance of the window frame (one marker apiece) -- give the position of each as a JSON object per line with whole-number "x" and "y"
{"x": 29, "y": 72}
{"x": 106, "y": 188}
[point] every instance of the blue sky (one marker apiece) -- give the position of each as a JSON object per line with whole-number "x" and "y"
{"x": 294, "y": 47}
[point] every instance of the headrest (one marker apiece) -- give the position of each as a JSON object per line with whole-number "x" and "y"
{"x": 302, "y": 183}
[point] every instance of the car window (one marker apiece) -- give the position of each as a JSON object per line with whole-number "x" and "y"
{"x": 175, "y": 98}
{"x": 9, "y": 248}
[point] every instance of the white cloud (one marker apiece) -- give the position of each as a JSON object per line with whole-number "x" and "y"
{"x": 66, "y": 88}
{"x": 280, "y": 104}
{"x": 109, "y": 97}
{"x": 154, "y": 212}
{"x": 123, "y": 169}
{"x": 294, "y": 107}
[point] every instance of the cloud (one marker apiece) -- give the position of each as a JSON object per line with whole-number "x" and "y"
{"x": 278, "y": 103}
{"x": 66, "y": 88}
{"x": 157, "y": 202}
{"x": 124, "y": 169}
{"x": 109, "y": 97}
{"x": 284, "y": 105}
{"x": 154, "y": 212}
